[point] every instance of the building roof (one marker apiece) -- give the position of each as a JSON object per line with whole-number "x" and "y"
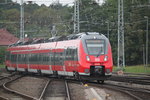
{"x": 7, "y": 38}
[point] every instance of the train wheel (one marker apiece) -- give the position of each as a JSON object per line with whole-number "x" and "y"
{"x": 7, "y": 68}
{"x": 26, "y": 71}
{"x": 15, "y": 69}
{"x": 100, "y": 81}
{"x": 55, "y": 73}
{"x": 39, "y": 72}
{"x": 76, "y": 75}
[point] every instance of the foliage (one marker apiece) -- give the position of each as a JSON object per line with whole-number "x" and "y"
{"x": 2, "y": 66}
{"x": 39, "y": 22}
{"x": 2, "y": 54}
{"x": 135, "y": 69}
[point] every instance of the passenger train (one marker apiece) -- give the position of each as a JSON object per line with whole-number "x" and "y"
{"x": 85, "y": 55}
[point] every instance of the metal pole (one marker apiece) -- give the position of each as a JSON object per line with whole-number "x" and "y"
{"x": 108, "y": 29}
{"x": 21, "y": 21}
{"x": 147, "y": 42}
{"x": 121, "y": 58}
{"x": 118, "y": 32}
{"x": 76, "y": 17}
{"x": 122, "y": 17}
{"x": 6, "y": 1}
{"x": 143, "y": 55}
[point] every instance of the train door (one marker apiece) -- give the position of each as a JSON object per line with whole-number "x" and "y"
{"x": 54, "y": 62}
{"x": 68, "y": 61}
{"x": 50, "y": 62}
{"x": 27, "y": 61}
{"x": 74, "y": 54}
{"x": 11, "y": 67}
{"x": 63, "y": 62}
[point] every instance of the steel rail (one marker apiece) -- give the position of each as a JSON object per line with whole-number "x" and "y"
{"x": 137, "y": 80}
{"x": 116, "y": 89}
{"x": 6, "y": 77}
{"x": 3, "y": 77}
{"x": 137, "y": 74}
{"x": 3, "y": 98}
{"x": 139, "y": 90}
{"x": 16, "y": 92}
{"x": 131, "y": 88}
{"x": 67, "y": 91}
{"x": 126, "y": 92}
{"x": 42, "y": 94}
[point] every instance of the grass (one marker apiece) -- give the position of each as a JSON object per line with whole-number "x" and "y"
{"x": 2, "y": 66}
{"x": 135, "y": 69}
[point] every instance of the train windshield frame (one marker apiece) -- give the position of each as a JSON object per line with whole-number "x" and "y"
{"x": 95, "y": 47}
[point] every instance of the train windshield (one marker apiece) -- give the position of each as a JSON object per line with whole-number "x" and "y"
{"x": 95, "y": 47}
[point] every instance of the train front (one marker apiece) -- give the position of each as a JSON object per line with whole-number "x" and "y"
{"x": 95, "y": 56}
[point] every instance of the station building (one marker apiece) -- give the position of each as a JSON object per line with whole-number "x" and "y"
{"x": 6, "y": 38}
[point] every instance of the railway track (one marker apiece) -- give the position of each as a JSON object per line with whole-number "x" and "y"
{"x": 133, "y": 92}
{"x": 4, "y": 78}
{"x": 136, "y": 93}
{"x": 133, "y": 74}
{"x": 144, "y": 80}
{"x": 8, "y": 94}
{"x": 57, "y": 89}
{"x": 7, "y": 86}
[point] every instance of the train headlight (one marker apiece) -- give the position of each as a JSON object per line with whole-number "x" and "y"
{"x": 87, "y": 58}
{"x": 105, "y": 58}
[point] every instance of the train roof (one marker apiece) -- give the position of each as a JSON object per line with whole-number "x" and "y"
{"x": 56, "y": 39}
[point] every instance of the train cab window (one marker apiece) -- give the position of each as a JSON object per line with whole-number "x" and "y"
{"x": 95, "y": 47}
{"x": 68, "y": 54}
{"x": 72, "y": 54}
{"x": 75, "y": 55}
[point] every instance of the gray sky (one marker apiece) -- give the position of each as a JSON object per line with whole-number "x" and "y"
{"x": 48, "y": 2}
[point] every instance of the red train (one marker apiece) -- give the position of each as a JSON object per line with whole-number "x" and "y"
{"x": 87, "y": 55}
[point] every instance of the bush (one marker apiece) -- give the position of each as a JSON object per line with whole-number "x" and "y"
{"x": 2, "y": 54}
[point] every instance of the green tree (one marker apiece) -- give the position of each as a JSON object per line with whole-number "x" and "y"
{"x": 2, "y": 54}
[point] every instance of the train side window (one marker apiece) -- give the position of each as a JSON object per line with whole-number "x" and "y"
{"x": 40, "y": 58}
{"x": 7, "y": 57}
{"x": 31, "y": 58}
{"x": 24, "y": 59}
{"x": 72, "y": 53}
{"x": 76, "y": 55}
{"x": 70, "y": 56}
{"x": 50, "y": 58}
{"x": 45, "y": 58}
{"x": 66, "y": 54}
{"x": 61, "y": 58}
{"x": 13, "y": 58}
{"x": 19, "y": 58}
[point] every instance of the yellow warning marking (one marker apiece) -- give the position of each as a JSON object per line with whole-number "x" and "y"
{"x": 107, "y": 95}
{"x": 85, "y": 85}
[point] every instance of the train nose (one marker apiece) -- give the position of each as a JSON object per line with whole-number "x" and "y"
{"x": 97, "y": 70}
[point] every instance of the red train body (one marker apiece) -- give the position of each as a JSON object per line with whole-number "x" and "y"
{"x": 86, "y": 54}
